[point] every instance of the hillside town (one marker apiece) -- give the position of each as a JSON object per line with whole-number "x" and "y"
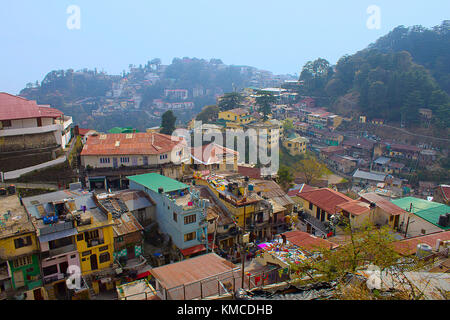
{"x": 216, "y": 159}
{"x": 147, "y": 216}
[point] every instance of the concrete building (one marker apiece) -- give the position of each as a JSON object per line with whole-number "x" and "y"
{"x": 108, "y": 158}
{"x": 180, "y": 212}
{"x": 25, "y": 125}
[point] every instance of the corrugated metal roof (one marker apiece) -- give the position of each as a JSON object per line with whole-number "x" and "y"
{"x": 15, "y": 107}
{"x": 153, "y": 181}
{"x": 191, "y": 270}
{"x": 143, "y": 143}
{"x": 58, "y": 235}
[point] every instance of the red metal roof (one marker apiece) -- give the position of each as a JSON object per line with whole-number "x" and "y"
{"x": 445, "y": 191}
{"x": 141, "y": 143}
{"x": 409, "y": 246}
{"x": 325, "y": 198}
{"x": 193, "y": 250}
{"x": 211, "y": 153}
{"x": 254, "y": 173}
{"x": 308, "y": 241}
{"x": 15, "y": 107}
{"x": 355, "y": 207}
{"x": 384, "y": 204}
{"x": 191, "y": 270}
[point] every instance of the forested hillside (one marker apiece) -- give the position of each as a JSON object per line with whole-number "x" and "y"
{"x": 390, "y": 82}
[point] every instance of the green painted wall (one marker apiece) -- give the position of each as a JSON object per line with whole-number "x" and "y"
{"x": 31, "y": 273}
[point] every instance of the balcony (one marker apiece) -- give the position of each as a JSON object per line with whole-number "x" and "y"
{"x": 62, "y": 250}
{"x": 94, "y": 242}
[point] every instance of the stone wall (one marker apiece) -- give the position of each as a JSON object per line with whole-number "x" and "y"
{"x": 27, "y": 142}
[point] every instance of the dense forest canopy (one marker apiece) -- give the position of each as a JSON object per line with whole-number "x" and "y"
{"x": 404, "y": 71}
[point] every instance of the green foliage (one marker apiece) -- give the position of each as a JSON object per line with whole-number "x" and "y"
{"x": 229, "y": 101}
{"x": 285, "y": 177}
{"x": 365, "y": 246}
{"x": 316, "y": 75}
{"x": 265, "y": 100}
{"x": 168, "y": 122}
{"x": 208, "y": 113}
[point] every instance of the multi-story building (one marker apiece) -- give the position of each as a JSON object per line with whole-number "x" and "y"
{"x": 19, "y": 252}
{"x": 237, "y": 197}
{"x": 214, "y": 157}
{"x": 25, "y": 125}
{"x": 51, "y": 215}
{"x": 295, "y": 145}
{"x": 238, "y": 116}
{"x": 180, "y": 212}
{"x": 128, "y": 232}
{"x": 108, "y": 158}
{"x": 72, "y": 231}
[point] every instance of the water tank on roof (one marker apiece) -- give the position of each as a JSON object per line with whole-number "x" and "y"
{"x": 423, "y": 250}
{"x": 443, "y": 220}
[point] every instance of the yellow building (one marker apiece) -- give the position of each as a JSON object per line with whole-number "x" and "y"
{"x": 19, "y": 248}
{"x": 95, "y": 241}
{"x": 295, "y": 145}
{"x": 239, "y": 206}
{"x": 238, "y": 115}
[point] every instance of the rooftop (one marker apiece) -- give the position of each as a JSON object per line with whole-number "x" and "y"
{"x": 211, "y": 154}
{"x": 143, "y": 143}
{"x": 325, "y": 198}
{"x": 384, "y": 204}
{"x": 355, "y": 207}
{"x": 409, "y": 246}
{"x": 360, "y": 174}
{"x": 191, "y": 270}
{"x": 308, "y": 242}
{"x": 16, "y": 221}
{"x": 427, "y": 210}
{"x": 153, "y": 181}
{"x": 15, "y": 107}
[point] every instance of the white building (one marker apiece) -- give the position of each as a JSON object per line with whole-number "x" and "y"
{"x": 26, "y": 125}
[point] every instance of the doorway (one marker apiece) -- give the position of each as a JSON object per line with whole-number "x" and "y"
{"x": 130, "y": 253}
{"x": 94, "y": 265}
{"x": 37, "y": 293}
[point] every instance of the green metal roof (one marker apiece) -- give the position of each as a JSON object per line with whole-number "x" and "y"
{"x": 427, "y": 210}
{"x": 121, "y": 130}
{"x": 153, "y": 181}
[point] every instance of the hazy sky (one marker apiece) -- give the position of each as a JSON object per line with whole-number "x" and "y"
{"x": 277, "y": 35}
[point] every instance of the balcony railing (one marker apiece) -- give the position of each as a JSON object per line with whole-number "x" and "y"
{"x": 95, "y": 242}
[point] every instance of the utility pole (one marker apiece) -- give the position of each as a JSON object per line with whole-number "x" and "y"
{"x": 243, "y": 255}
{"x": 407, "y": 222}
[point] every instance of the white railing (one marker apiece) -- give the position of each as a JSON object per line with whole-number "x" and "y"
{"x": 32, "y": 130}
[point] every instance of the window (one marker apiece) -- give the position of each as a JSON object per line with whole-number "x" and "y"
{"x": 124, "y": 159}
{"x": 91, "y": 235}
{"x": 24, "y": 261}
{"x": 104, "y": 257}
{"x": 310, "y": 206}
{"x": 119, "y": 239}
{"x": 104, "y": 160}
{"x": 189, "y": 236}
{"x": 6, "y": 123}
{"x": 80, "y": 237}
{"x": 58, "y": 243}
{"x": 175, "y": 218}
{"x": 163, "y": 156}
{"x": 190, "y": 219}
{"x": 50, "y": 270}
{"x": 22, "y": 242}
{"x": 104, "y": 248}
{"x": 86, "y": 253}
